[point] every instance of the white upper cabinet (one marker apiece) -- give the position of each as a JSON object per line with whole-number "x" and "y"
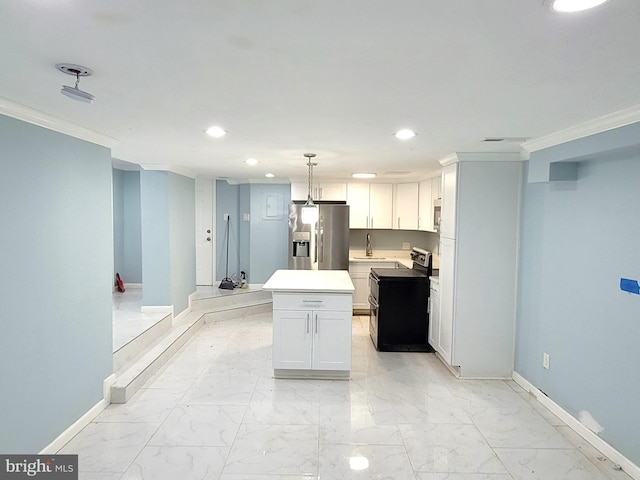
{"x": 321, "y": 191}
{"x": 436, "y": 188}
{"x": 371, "y": 205}
{"x": 428, "y": 194}
{"x": 449, "y": 198}
{"x": 405, "y": 206}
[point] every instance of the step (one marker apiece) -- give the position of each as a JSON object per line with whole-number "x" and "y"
{"x": 138, "y": 369}
{"x": 228, "y": 298}
{"x": 142, "y": 342}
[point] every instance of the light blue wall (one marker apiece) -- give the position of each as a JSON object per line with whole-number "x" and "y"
{"x": 182, "y": 240}
{"x": 168, "y": 239}
{"x": 126, "y": 225}
{"x": 269, "y": 230}
{"x": 156, "y": 249}
{"x": 56, "y": 252}
{"x": 245, "y": 227}
{"x": 577, "y": 240}
{"x": 258, "y": 246}
{"x": 227, "y": 202}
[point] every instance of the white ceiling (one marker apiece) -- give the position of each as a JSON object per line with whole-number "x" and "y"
{"x": 333, "y": 77}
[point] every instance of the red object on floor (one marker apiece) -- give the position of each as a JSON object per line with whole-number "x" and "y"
{"x": 120, "y": 283}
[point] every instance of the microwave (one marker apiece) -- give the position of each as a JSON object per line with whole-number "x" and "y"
{"x": 437, "y": 212}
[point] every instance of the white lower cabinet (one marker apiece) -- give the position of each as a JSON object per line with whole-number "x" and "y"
{"x": 359, "y": 273}
{"x": 312, "y": 335}
{"x": 434, "y": 315}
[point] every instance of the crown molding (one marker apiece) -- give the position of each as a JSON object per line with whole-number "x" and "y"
{"x": 482, "y": 157}
{"x": 185, "y": 172}
{"x": 614, "y": 120}
{"x": 44, "y": 120}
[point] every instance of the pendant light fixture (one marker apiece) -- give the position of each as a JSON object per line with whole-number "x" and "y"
{"x": 310, "y": 209}
{"x": 74, "y": 92}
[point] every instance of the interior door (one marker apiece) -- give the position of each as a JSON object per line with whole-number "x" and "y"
{"x": 205, "y": 240}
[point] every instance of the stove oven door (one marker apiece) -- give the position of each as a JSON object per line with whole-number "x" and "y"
{"x": 373, "y": 309}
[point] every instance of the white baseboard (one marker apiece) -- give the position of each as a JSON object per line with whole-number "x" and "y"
{"x": 614, "y": 455}
{"x": 167, "y": 309}
{"x": 177, "y": 319}
{"x": 132, "y": 285}
{"x": 64, "y": 438}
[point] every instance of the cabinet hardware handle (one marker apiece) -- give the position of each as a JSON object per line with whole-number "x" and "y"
{"x": 316, "y": 323}
{"x": 367, "y": 222}
{"x": 312, "y": 301}
{"x": 398, "y": 222}
{"x": 307, "y": 323}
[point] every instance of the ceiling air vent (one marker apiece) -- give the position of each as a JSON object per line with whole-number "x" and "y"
{"x": 505, "y": 139}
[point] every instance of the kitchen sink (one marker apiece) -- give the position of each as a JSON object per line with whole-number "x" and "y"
{"x": 369, "y": 258}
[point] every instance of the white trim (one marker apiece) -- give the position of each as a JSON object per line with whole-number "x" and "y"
{"x": 482, "y": 157}
{"x": 35, "y": 117}
{"x": 185, "y": 172}
{"x": 614, "y": 455}
{"x": 166, "y": 309}
{"x": 597, "y": 125}
{"x": 75, "y": 428}
{"x": 132, "y": 285}
{"x": 183, "y": 314}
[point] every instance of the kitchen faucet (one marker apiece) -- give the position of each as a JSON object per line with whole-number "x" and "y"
{"x": 369, "y": 251}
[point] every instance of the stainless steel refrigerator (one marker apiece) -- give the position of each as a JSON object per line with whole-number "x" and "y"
{"x": 323, "y": 245}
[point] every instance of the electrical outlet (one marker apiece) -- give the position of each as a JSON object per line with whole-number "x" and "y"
{"x": 406, "y": 246}
{"x": 545, "y": 360}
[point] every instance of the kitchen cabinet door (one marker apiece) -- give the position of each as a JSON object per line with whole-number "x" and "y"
{"x": 299, "y": 191}
{"x": 436, "y": 188}
{"x": 425, "y": 206}
{"x": 447, "y": 289}
{"x": 406, "y": 206}
{"x": 434, "y": 316}
{"x": 380, "y": 205}
{"x": 292, "y": 339}
{"x": 331, "y": 341}
{"x": 331, "y": 191}
{"x": 358, "y": 201}
{"x": 449, "y": 201}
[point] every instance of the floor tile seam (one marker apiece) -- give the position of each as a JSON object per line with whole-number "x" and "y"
{"x": 493, "y": 449}
{"x": 584, "y": 454}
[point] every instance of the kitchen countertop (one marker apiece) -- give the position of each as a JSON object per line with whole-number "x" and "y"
{"x": 392, "y": 256}
{"x": 323, "y": 281}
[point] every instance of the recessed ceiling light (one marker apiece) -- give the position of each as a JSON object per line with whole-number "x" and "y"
{"x": 363, "y": 175}
{"x": 269, "y": 175}
{"x": 405, "y": 134}
{"x": 216, "y": 132}
{"x": 569, "y": 6}
{"x": 251, "y": 161}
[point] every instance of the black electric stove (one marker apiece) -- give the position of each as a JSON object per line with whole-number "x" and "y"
{"x": 399, "y": 321}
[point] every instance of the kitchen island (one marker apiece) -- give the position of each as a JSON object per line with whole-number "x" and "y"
{"x": 311, "y": 323}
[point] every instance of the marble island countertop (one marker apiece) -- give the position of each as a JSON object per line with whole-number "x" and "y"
{"x": 324, "y": 281}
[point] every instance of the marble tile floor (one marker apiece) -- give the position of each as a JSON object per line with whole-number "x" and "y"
{"x": 215, "y": 412}
{"x": 129, "y": 321}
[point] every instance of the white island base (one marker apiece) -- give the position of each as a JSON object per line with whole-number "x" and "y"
{"x": 311, "y": 323}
